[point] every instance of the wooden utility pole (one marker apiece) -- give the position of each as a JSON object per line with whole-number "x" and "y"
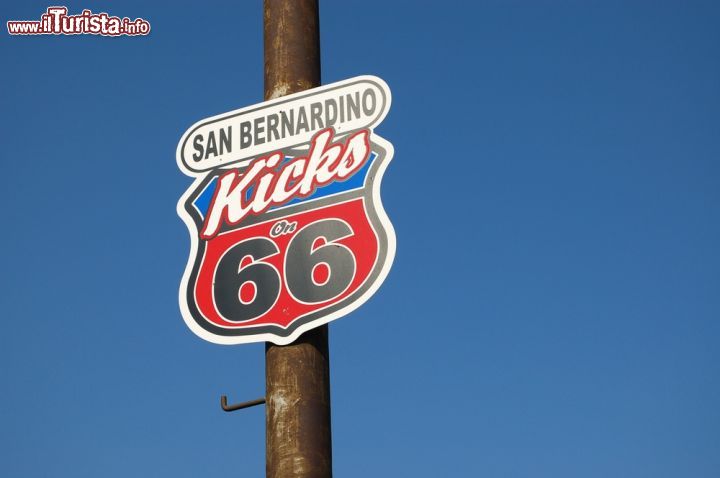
{"x": 297, "y": 376}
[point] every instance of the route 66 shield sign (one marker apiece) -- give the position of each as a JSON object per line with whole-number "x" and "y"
{"x": 286, "y": 224}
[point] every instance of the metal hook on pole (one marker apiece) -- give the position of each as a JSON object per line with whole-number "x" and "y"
{"x": 239, "y": 406}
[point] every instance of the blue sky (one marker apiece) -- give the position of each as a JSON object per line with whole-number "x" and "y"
{"x": 554, "y": 305}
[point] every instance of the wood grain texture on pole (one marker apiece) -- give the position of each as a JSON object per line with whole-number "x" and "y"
{"x": 297, "y": 376}
{"x": 292, "y": 46}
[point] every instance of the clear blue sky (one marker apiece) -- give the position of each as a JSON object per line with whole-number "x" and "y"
{"x": 554, "y": 306}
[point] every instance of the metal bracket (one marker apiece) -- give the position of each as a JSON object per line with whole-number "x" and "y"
{"x": 239, "y": 406}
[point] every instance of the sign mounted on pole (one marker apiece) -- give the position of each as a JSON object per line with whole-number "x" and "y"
{"x": 286, "y": 224}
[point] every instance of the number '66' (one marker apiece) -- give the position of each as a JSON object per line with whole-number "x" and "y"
{"x": 317, "y": 269}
